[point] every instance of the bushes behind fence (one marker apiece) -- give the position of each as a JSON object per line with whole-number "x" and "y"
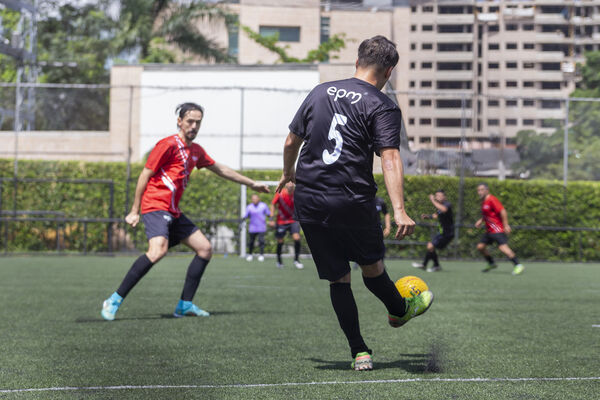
{"x": 529, "y": 203}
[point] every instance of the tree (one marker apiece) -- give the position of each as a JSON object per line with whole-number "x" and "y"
{"x": 322, "y": 53}
{"x": 542, "y": 155}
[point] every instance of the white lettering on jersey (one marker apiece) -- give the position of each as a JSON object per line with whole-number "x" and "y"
{"x": 343, "y": 93}
{"x": 334, "y": 134}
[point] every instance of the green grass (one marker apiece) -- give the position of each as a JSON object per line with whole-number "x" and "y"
{"x": 271, "y": 326}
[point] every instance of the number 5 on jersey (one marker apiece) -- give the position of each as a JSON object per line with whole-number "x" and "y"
{"x": 334, "y": 134}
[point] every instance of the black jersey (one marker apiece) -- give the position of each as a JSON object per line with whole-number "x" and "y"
{"x": 342, "y": 123}
{"x": 446, "y": 219}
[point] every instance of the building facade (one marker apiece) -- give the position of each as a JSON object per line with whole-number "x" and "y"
{"x": 500, "y": 66}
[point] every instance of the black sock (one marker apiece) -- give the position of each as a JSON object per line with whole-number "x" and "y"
{"x": 515, "y": 260}
{"x": 192, "y": 278}
{"x": 427, "y": 258}
{"x": 489, "y": 259}
{"x": 385, "y": 290}
{"x": 345, "y": 308}
{"x": 279, "y": 247}
{"x": 434, "y": 257}
{"x": 296, "y": 249}
{"x": 137, "y": 271}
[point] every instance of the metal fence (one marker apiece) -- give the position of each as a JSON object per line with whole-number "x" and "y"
{"x": 450, "y": 133}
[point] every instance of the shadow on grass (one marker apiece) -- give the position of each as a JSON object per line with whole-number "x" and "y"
{"x": 414, "y": 363}
{"x": 149, "y": 317}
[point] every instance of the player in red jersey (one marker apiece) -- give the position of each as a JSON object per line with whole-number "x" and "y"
{"x": 496, "y": 222}
{"x": 283, "y": 202}
{"x": 158, "y": 191}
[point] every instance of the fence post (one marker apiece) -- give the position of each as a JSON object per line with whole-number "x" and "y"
{"x": 463, "y": 140}
{"x": 110, "y": 215}
{"x": 565, "y": 160}
{"x": 242, "y": 230}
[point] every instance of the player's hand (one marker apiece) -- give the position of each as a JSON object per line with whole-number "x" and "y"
{"x": 285, "y": 179}
{"x": 507, "y": 229}
{"x": 431, "y": 198}
{"x": 272, "y": 224}
{"x": 406, "y": 226}
{"x": 386, "y": 232}
{"x": 260, "y": 187}
{"x": 132, "y": 218}
{"x": 478, "y": 223}
{"x": 424, "y": 216}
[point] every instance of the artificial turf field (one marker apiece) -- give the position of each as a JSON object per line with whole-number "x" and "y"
{"x": 273, "y": 334}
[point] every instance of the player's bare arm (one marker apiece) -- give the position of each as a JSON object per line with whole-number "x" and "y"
{"x": 290, "y": 155}
{"x": 227, "y": 173}
{"x": 504, "y": 216}
{"x": 478, "y": 223}
{"x": 437, "y": 204}
{"x": 134, "y": 215}
{"x": 388, "y": 224}
{"x": 393, "y": 175}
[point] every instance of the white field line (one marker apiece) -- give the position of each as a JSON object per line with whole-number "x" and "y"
{"x": 596, "y": 326}
{"x": 284, "y": 384}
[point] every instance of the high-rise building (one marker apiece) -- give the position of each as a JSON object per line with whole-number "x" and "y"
{"x": 500, "y": 66}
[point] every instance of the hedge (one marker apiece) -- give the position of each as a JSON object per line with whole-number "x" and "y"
{"x": 529, "y": 203}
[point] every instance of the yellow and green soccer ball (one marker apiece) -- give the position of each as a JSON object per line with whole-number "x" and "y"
{"x": 410, "y": 286}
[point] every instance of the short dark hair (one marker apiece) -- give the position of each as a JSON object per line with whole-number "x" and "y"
{"x": 377, "y": 51}
{"x": 485, "y": 185}
{"x": 184, "y": 108}
{"x": 440, "y": 191}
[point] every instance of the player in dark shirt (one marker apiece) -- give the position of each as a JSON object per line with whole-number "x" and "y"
{"x": 382, "y": 210}
{"x": 341, "y": 124}
{"x": 443, "y": 213}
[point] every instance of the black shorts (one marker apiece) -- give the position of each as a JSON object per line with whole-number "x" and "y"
{"x": 281, "y": 230}
{"x": 490, "y": 238}
{"x": 440, "y": 241}
{"x": 333, "y": 248}
{"x": 162, "y": 223}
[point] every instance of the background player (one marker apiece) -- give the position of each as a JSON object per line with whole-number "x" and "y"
{"x": 444, "y": 215}
{"x": 383, "y": 211}
{"x": 283, "y": 205}
{"x": 496, "y": 221}
{"x": 341, "y": 124}
{"x": 256, "y": 212}
{"x": 158, "y": 191}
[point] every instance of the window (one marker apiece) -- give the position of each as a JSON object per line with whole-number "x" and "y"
{"x": 233, "y": 36}
{"x": 512, "y": 27}
{"x": 511, "y": 103}
{"x": 426, "y": 46}
{"x": 493, "y": 65}
{"x": 552, "y": 104}
{"x": 411, "y": 102}
{"x": 550, "y": 66}
{"x": 528, "y": 103}
{"x": 325, "y": 24}
{"x": 411, "y": 121}
{"x": 528, "y": 27}
{"x": 413, "y": 28}
{"x": 451, "y": 122}
{"x": 493, "y": 28}
{"x": 413, "y": 9}
{"x": 427, "y": 9}
{"x": 511, "y": 65}
{"x": 425, "y": 121}
{"x": 426, "y": 84}
{"x": 493, "y": 122}
{"x": 493, "y": 103}
{"x": 411, "y": 84}
{"x": 511, "y": 122}
{"x": 493, "y": 84}
{"x": 425, "y": 103}
{"x": 511, "y": 46}
{"x": 528, "y": 84}
{"x": 511, "y": 84}
{"x": 412, "y": 65}
{"x": 413, "y": 46}
{"x": 427, "y": 28}
{"x": 528, "y": 46}
{"x": 426, "y": 65}
{"x": 528, "y": 65}
{"x": 285, "y": 33}
{"x": 528, "y": 122}
{"x": 493, "y": 46}
{"x": 451, "y": 103}
{"x": 548, "y": 85}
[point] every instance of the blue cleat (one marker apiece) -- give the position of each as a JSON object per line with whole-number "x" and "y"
{"x": 188, "y": 309}
{"x": 110, "y": 306}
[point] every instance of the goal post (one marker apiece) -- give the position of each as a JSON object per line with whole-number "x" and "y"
{"x": 243, "y": 204}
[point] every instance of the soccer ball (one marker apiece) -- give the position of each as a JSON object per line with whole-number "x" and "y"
{"x": 410, "y": 286}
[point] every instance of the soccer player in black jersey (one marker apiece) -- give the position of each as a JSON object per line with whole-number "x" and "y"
{"x": 341, "y": 124}
{"x": 443, "y": 213}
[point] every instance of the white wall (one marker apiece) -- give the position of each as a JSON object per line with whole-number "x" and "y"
{"x": 266, "y": 113}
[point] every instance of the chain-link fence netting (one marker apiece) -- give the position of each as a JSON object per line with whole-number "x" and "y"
{"x": 534, "y": 153}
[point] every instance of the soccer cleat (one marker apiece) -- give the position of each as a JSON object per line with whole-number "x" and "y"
{"x": 434, "y": 268}
{"x": 362, "y": 362}
{"x": 298, "y": 264}
{"x": 418, "y": 265}
{"x": 415, "y": 306}
{"x": 188, "y": 309}
{"x": 261, "y": 258}
{"x": 279, "y": 265}
{"x": 249, "y": 257}
{"x": 110, "y": 306}
{"x": 489, "y": 268}
{"x": 518, "y": 269}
